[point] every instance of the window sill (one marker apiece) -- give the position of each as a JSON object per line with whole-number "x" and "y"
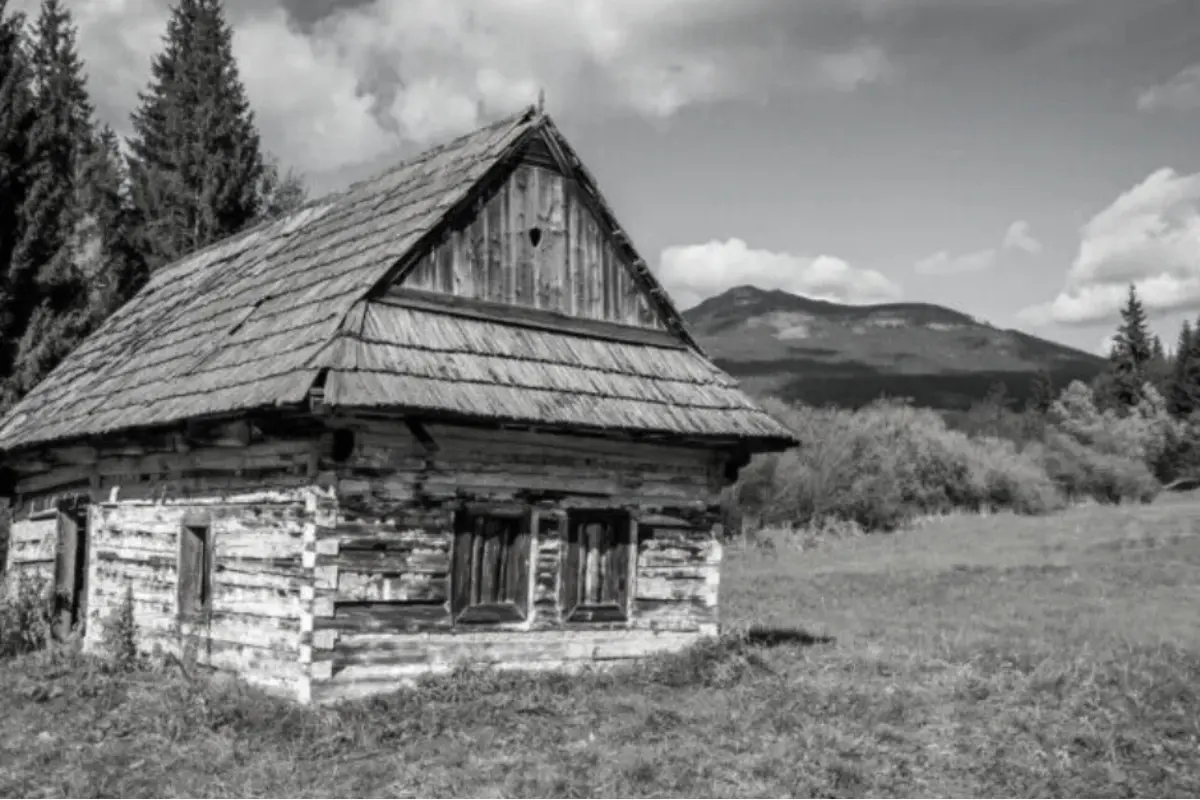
{"x": 604, "y": 613}
{"x": 488, "y": 614}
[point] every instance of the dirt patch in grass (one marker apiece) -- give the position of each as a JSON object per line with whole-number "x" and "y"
{"x": 973, "y": 657}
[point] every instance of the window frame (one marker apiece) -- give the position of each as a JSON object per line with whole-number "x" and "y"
{"x": 195, "y": 536}
{"x": 516, "y": 558}
{"x": 621, "y": 555}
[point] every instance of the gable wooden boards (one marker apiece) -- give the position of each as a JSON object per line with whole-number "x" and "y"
{"x": 535, "y": 244}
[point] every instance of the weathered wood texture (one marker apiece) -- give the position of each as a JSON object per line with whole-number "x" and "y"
{"x": 333, "y": 576}
{"x": 536, "y": 244}
{"x": 31, "y": 548}
{"x": 372, "y": 663}
{"x": 210, "y": 459}
{"x": 251, "y": 623}
{"x": 391, "y": 553}
{"x": 245, "y": 495}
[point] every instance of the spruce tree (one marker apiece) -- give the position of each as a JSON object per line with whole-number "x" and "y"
{"x": 16, "y": 119}
{"x": 1041, "y": 394}
{"x": 1131, "y": 353}
{"x": 108, "y": 257}
{"x": 54, "y": 308}
{"x": 1183, "y": 392}
{"x": 196, "y": 166}
{"x": 1158, "y": 370}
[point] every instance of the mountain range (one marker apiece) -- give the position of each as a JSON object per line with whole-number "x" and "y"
{"x": 826, "y": 353}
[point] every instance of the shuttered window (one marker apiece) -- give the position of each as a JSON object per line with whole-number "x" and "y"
{"x": 491, "y": 566}
{"x": 195, "y": 569}
{"x": 597, "y": 566}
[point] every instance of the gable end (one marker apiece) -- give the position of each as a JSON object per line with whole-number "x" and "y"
{"x": 539, "y": 236}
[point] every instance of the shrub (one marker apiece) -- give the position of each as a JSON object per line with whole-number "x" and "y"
{"x": 118, "y": 637}
{"x": 1082, "y": 472}
{"x": 882, "y": 465}
{"x": 1146, "y": 433}
{"x": 1003, "y": 477}
{"x": 26, "y": 615}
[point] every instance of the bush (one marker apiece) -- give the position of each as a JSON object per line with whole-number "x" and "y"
{"x": 26, "y": 615}
{"x": 1082, "y": 472}
{"x": 883, "y": 465}
{"x": 1004, "y": 477}
{"x": 118, "y": 636}
{"x": 1148, "y": 433}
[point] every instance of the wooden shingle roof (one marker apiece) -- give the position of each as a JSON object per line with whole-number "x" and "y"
{"x": 260, "y": 318}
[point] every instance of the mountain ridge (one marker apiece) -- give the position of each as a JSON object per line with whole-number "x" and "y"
{"x": 823, "y": 352}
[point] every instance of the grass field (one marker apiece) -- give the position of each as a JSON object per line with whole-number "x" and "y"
{"x": 1055, "y": 656}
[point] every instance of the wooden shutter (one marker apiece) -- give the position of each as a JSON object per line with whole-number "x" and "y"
{"x": 195, "y": 567}
{"x": 517, "y": 564}
{"x": 596, "y": 571}
{"x": 461, "y": 577}
{"x": 490, "y": 572}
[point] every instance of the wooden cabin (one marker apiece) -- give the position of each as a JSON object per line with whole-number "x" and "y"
{"x": 445, "y": 416}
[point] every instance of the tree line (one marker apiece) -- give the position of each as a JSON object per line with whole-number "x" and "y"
{"x": 1137, "y": 360}
{"x": 85, "y": 216}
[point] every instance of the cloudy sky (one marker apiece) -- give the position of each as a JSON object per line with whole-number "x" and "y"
{"x": 1020, "y": 160}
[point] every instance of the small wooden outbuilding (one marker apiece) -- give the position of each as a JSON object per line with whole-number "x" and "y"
{"x": 445, "y": 416}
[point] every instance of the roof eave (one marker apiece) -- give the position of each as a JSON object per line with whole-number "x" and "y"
{"x": 755, "y": 443}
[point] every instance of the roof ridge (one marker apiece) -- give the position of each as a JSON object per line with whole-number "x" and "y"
{"x": 526, "y": 114}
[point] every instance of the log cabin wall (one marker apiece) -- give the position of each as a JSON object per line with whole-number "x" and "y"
{"x": 152, "y": 510}
{"x": 390, "y": 551}
{"x": 250, "y": 622}
{"x": 535, "y": 244}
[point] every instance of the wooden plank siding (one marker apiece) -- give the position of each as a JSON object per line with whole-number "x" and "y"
{"x": 253, "y": 499}
{"x": 535, "y": 244}
{"x": 251, "y": 625}
{"x": 332, "y": 569}
{"x": 391, "y": 553}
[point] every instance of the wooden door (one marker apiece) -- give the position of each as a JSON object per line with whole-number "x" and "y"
{"x": 70, "y": 568}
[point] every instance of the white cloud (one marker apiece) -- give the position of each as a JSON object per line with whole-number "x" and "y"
{"x": 1149, "y": 237}
{"x": 848, "y": 70}
{"x": 1017, "y": 237}
{"x": 1181, "y": 92}
{"x": 323, "y": 117}
{"x": 942, "y": 263}
{"x": 370, "y": 76}
{"x": 691, "y": 273}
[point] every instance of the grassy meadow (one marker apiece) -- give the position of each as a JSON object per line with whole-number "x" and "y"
{"x": 965, "y": 656}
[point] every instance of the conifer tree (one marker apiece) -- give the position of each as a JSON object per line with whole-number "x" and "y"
{"x": 16, "y": 119}
{"x": 196, "y": 166}
{"x": 1185, "y": 392}
{"x": 1041, "y": 395}
{"x": 54, "y": 309}
{"x": 107, "y": 254}
{"x": 1158, "y": 370}
{"x": 1131, "y": 353}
